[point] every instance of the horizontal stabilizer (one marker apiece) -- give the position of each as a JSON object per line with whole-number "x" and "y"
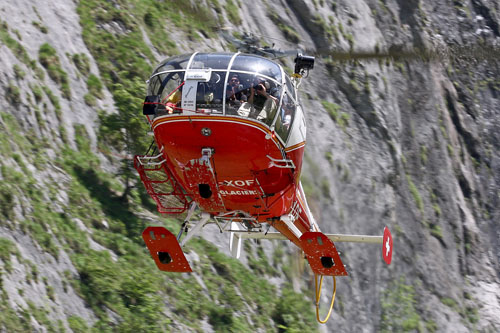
{"x": 165, "y": 250}
{"x": 322, "y": 254}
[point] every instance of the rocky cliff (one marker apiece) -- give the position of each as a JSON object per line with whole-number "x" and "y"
{"x": 409, "y": 144}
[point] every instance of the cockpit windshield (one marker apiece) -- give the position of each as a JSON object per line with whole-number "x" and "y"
{"x": 263, "y": 66}
{"x": 239, "y": 85}
{"x": 211, "y": 60}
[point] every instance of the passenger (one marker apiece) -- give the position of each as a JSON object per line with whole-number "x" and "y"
{"x": 287, "y": 116}
{"x": 234, "y": 91}
{"x": 282, "y": 125}
{"x": 264, "y": 105}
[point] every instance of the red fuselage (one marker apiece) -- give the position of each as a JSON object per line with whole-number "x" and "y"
{"x": 241, "y": 150}
{"x": 231, "y": 136}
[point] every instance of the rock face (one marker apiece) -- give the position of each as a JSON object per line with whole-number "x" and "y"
{"x": 412, "y": 145}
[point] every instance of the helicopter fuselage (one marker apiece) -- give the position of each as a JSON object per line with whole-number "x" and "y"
{"x": 231, "y": 134}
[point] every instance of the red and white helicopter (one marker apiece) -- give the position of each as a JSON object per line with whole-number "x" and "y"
{"x": 230, "y": 137}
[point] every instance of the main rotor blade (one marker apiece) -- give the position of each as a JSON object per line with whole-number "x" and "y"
{"x": 477, "y": 52}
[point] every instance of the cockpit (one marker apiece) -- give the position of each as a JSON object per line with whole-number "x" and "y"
{"x": 228, "y": 84}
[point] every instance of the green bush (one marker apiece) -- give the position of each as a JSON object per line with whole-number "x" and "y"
{"x": 82, "y": 63}
{"x": 55, "y": 102}
{"x": 18, "y": 72}
{"x": 292, "y": 314}
{"x": 398, "y": 309}
{"x": 221, "y": 319}
{"x": 49, "y": 59}
{"x": 7, "y": 202}
{"x": 11, "y": 320}
{"x": 37, "y": 92}
{"x": 94, "y": 86}
{"x": 232, "y": 12}
{"x": 78, "y": 325}
{"x": 16, "y": 47}
{"x": 7, "y": 249}
{"x": 90, "y": 100}
{"x": 13, "y": 94}
{"x": 416, "y": 195}
{"x": 333, "y": 110}
{"x": 289, "y": 32}
{"x": 436, "y": 231}
{"x": 126, "y": 287}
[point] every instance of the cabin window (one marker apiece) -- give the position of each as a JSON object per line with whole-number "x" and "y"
{"x": 286, "y": 116}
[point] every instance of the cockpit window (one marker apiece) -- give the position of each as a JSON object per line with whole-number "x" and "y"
{"x": 252, "y": 96}
{"x": 289, "y": 87}
{"x": 286, "y": 115}
{"x": 163, "y": 84}
{"x": 251, "y": 87}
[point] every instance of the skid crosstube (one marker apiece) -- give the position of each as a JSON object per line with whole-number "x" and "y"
{"x": 165, "y": 250}
{"x": 322, "y": 254}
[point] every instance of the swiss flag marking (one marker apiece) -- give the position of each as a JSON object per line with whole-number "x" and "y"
{"x": 387, "y": 246}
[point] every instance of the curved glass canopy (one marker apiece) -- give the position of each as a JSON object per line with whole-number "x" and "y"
{"x": 228, "y": 84}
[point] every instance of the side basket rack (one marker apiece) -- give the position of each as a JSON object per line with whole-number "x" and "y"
{"x": 161, "y": 186}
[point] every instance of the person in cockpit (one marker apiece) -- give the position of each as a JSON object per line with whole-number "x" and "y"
{"x": 264, "y": 104}
{"x": 235, "y": 91}
{"x": 173, "y": 102}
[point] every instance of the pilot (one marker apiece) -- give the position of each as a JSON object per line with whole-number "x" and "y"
{"x": 173, "y": 101}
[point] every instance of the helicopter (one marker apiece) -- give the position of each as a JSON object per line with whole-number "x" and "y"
{"x": 229, "y": 136}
